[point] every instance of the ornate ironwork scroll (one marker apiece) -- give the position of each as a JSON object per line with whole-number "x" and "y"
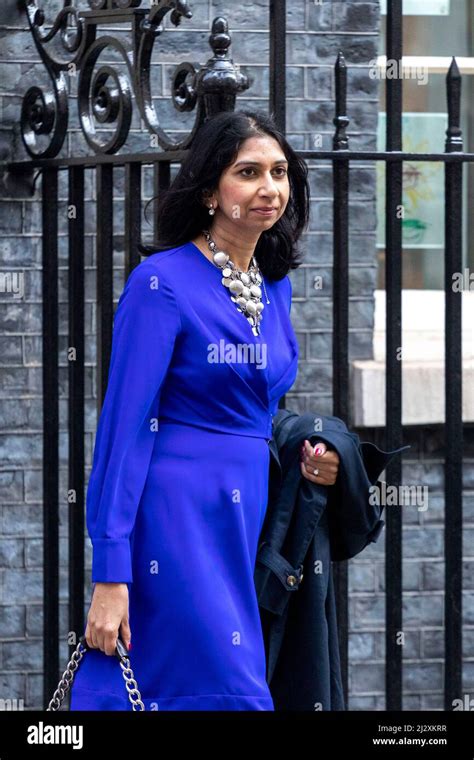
{"x": 105, "y": 93}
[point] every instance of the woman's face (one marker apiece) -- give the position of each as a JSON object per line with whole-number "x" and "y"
{"x": 258, "y": 178}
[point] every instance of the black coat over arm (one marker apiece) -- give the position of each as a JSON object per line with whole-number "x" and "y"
{"x": 306, "y": 527}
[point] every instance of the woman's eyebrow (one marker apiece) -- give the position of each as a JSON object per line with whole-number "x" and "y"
{"x": 257, "y": 163}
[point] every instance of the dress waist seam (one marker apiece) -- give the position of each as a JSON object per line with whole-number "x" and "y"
{"x": 170, "y": 421}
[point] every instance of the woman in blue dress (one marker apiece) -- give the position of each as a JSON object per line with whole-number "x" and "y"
{"x": 203, "y": 348}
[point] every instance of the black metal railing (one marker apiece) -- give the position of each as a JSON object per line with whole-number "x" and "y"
{"x": 104, "y": 100}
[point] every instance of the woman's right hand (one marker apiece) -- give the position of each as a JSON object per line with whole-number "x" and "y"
{"x": 108, "y": 617}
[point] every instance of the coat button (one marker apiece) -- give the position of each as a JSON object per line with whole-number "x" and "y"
{"x": 291, "y": 580}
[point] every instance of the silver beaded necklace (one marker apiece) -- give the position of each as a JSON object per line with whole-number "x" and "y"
{"x": 244, "y": 287}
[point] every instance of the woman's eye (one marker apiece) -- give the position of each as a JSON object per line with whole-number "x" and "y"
{"x": 279, "y": 169}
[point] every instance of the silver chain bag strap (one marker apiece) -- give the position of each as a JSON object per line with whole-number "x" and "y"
{"x": 73, "y": 664}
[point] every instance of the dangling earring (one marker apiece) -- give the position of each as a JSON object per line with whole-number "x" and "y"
{"x": 212, "y": 210}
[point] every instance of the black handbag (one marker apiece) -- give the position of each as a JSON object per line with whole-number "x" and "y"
{"x": 73, "y": 664}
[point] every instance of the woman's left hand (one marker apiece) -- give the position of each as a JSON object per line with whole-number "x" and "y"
{"x": 326, "y": 462}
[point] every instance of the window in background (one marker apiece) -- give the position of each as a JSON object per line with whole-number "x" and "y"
{"x": 429, "y": 41}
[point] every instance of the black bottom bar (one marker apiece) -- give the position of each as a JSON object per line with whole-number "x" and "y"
{"x": 374, "y": 734}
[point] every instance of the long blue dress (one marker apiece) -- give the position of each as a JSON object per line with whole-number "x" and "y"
{"x": 179, "y": 485}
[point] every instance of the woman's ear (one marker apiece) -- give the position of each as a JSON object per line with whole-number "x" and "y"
{"x": 206, "y": 197}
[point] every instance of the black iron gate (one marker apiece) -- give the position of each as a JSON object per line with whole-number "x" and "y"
{"x": 105, "y": 99}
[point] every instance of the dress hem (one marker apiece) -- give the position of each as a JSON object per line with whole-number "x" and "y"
{"x": 89, "y": 699}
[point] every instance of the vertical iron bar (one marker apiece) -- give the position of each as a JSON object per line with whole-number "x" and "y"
{"x": 133, "y": 208}
{"x": 49, "y": 209}
{"x": 277, "y": 78}
{"x": 161, "y": 181}
{"x": 340, "y": 335}
{"x": 105, "y": 307}
{"x": 393, "y": 280}
{"x": 76, "y": 399}
{"x": 278, "y": 62}
{"x": 453, "y": 389}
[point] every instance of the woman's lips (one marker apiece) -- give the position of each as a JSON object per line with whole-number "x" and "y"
{"x": 264, "y": 212}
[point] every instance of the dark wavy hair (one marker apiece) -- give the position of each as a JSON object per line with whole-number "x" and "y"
{"x": 182, "y": 214}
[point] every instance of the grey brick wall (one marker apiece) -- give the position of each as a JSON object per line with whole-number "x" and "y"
{"x": 423, "y": 584}
{"x": 316, "y": 32}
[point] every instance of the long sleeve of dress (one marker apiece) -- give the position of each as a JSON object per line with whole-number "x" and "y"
{"x": 146, "y": 324}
